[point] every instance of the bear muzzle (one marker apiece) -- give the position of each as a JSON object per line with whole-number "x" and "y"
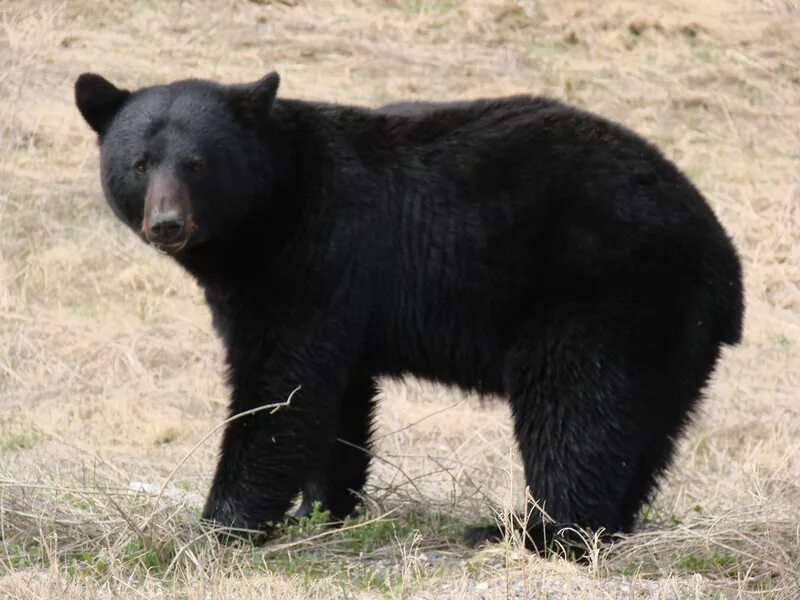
{"x": 168, "y": 222}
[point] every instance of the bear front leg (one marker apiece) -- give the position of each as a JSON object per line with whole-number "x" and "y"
{"x": 267, "y": 456}
{"x": 339, "y": 479}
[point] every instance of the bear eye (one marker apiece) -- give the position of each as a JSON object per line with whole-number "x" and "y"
{"x": 140, "y": 166}
{"x": 193, "y": 165}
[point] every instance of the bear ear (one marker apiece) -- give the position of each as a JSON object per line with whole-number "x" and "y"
{"x": 255, "y": 98}
{"x": 98, "y": 100}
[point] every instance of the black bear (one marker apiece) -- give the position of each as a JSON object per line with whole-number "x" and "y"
{"x": 514, "y": 246}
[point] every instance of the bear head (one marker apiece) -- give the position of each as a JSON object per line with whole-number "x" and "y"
{"x": 180, "y": 163}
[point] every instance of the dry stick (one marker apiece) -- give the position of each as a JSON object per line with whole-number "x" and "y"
{"x": 273, "y": 408}
{"x": 382, "y": 459}
{"x": 83, "y": 492}
{"x": 418, "y": 421}
{"x": 138, "y": 531}
{"x": 35, "y": 517}
{"x": 454, "y": 480}
{"x": 437, "y": 460}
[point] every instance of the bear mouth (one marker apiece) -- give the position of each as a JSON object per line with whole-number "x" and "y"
{"x": 170, "y": 247}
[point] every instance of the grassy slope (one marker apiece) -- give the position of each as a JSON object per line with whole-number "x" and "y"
{"x": 110, "y": 373}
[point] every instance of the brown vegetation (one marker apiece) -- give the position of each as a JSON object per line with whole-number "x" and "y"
{"x": 110, "y": 372}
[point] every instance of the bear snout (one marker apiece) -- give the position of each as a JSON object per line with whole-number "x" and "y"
{"x": 168, "y": 222}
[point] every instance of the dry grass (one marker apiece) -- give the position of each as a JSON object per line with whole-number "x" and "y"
{"x": 110, "y": 372}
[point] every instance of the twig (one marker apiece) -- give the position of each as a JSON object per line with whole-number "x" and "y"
{"x": 273, "y": 408}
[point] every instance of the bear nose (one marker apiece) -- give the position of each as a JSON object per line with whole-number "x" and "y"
{"x": 166, "y": 226}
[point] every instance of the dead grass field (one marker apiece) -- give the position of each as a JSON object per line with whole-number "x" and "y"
{"x": 110, "y": 372}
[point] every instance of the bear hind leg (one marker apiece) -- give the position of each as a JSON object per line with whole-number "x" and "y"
{"x": 595, "y": 417}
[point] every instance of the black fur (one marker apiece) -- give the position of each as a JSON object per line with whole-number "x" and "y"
{"x": 514, "y": 246}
